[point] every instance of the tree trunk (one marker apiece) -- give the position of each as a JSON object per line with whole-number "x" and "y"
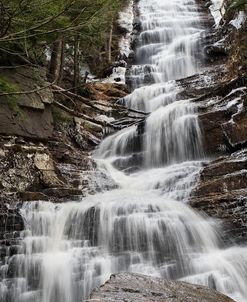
{"x": 110, "y": 43}
{"x": 76, "y": 64}
{"x": 55, "y": 63}
{"x": 62, "y": 63}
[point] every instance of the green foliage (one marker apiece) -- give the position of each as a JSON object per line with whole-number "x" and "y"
{"x": 95, "y": 34}
{"x": 31, "y": 25}
{"x": 30, "y": 22}
{"x": 6, "y": 86}
{"x": 238, "y": 4}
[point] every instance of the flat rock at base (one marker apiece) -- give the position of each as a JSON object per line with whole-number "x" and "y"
{"x": 128, "y": 287}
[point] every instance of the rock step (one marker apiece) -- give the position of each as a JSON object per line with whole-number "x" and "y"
{"x": 128, "y": 287}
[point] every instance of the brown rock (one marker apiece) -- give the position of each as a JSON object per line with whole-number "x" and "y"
{"x": 214, "y": 141}
{"x": 31, "y": 196}
{"x": 17, "y": 171}
{"x": 63, "y": 193}
{"x": 26, "y": 122}
{"x": 139, "y": 288}
{"x": 43, "y": 162}
{"x": 48, "y": 175}
{"x": 28, "y": 115}
{"x": 236, "y": 130}
{"x": 221, "y": 193}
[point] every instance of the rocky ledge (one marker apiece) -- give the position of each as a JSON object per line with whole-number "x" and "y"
{"x": 221, "y": 193}
{"x": 127, "y": 287}
{"x": 45, "y": 143}
{"x": 220, "y": 95}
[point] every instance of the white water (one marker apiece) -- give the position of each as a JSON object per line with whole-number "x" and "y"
{"x": 144, "y": 225}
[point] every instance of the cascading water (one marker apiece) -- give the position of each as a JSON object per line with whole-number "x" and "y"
{"x": 144, "y": 225}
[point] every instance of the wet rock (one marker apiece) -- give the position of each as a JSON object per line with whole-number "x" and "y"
{"x": 11, "y": 223}
{"x": 137, "y": 25}
{"x": 221, "y": 193}
{"x": 131, "y": 57}
{"x": 109, "y": 70}
{"x": 28, "y": 168}
{"x": 129, "y": 164}
{"x": 149, "y": 79}
{"x": 222, "y": 109}
{"x": 139, "y": 288}
{"x": 236, "y": 129}
{"x": 63, "y": 193}
{"x": 215, "y": 51}
{"x": 31, "y": 196}
{"x": 214, "y": 140}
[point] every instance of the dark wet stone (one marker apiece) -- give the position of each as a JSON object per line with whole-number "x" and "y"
{"x": 221, "y": 193}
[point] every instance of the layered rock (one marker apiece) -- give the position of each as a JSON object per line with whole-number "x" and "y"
{"x": 27, "y": 114}
{"x": 45, "y": 151}
{"x": 222, "y": 193}
{"x": 139, "y": 288}
{"x": 220, "y": 93}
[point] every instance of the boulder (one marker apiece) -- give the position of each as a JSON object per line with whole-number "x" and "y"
{"x": 26, "y": 122}
{"x": 17, "y": 170}
{"x": 128, "y": 287}
{"x": 215, "y": 50}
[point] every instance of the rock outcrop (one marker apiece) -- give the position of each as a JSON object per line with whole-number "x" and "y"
{"x": 221, "y": 193}
{"x": 27, "y": 114}
{"x": 44, "y": 150}
{"x": 139, "y": 288}
{"x": 220, "y": 93}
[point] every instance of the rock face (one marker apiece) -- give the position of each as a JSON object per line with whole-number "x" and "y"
{"x": 139, "y": 288}
{"x": 220, "y": 95}
{"x": 28, "y": 115}
{"x": 222, "y": 193}
{"x": 222, "y": 106}
{"x": 44, "y": 153}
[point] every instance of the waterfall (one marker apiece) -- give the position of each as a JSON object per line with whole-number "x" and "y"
{"x": 144, "y": 224}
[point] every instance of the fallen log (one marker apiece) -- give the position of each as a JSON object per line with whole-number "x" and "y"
{"x": 130, "y": 116}
{"x": 93, "y": 104}
{"x": 84, "y": 116}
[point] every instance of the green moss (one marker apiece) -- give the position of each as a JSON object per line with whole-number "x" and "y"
{"x": 60, "y": 116}
{"x": 6, "y": 86}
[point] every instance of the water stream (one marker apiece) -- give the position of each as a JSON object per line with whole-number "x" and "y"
{"x": 144, "y": 225}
